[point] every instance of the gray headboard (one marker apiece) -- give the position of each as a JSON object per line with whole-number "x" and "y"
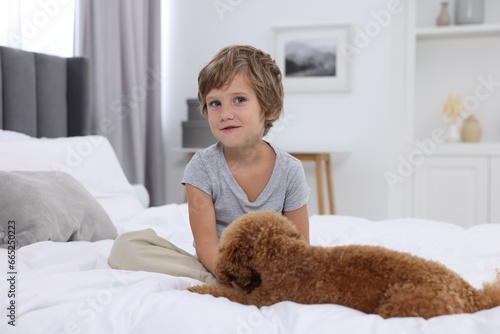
{"x": 43, "y": 95}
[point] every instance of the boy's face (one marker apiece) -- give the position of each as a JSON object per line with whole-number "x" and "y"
{"x": 234, "y": 114}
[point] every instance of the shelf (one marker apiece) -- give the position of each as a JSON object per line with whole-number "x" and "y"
{"x": 458, "y": 31}
{"x": 468, "y": 149}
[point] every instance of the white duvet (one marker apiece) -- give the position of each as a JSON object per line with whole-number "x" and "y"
{"x": 69, "y": 288}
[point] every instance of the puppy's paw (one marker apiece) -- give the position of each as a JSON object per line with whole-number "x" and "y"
{"x": 202, "y": 289}
{"x": 219, "y": 290}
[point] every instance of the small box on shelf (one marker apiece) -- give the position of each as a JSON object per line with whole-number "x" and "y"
{"x": 196, "y": 131}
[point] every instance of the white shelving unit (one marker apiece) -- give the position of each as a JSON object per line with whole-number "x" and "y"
{"x": 457, "y": 183}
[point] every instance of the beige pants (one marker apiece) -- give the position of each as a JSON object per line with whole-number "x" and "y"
{"x": 144, "y": 250}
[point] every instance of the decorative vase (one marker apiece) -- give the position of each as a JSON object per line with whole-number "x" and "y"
{"x": 453, "y": 135}
{"x": 469, "y": 11}
{"x": 444, "y": 18}
{"x": 471, "y": 130}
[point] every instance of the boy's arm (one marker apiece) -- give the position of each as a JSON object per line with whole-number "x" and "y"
{"x": 300, "y": 218}
{"x": 202, "y": 220}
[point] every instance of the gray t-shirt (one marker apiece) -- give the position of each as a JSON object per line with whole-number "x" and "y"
{"x": 286, "y": 190}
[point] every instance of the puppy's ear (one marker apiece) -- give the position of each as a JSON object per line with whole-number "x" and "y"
{"x": 234, "y": 267}
{"x": 235, "y": 263}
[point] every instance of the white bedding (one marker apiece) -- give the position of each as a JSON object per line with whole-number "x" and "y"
{"x": 69, "y": 288}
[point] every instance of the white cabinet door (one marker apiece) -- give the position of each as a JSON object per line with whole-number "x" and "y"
{"x": 495, "y": 191}
{"x": 453, "y": 190}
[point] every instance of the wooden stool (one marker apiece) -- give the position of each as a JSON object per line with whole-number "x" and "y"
{"x": 318, "y": 158}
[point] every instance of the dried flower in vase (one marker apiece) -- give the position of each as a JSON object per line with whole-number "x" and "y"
{"x": 452, "y": 107}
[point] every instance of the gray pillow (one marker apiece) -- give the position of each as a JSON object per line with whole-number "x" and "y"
{"x": 42, "y": 206}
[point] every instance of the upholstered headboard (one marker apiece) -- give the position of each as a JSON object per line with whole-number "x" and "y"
{"x": 43, "y": 95}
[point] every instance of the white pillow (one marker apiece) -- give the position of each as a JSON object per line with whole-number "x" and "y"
{"x": 7, "y": 135}
{"x": 89, "y": 159}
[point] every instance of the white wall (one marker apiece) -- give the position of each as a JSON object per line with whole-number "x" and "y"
{"x": 358, "y": 120}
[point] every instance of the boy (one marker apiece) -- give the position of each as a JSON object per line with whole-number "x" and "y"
{"x": 241, "y": 94}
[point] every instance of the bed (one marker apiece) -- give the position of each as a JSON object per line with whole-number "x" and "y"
{"x": 57, "y": 280}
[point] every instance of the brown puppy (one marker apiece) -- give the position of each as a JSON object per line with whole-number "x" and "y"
{"x": 263, "y": 259}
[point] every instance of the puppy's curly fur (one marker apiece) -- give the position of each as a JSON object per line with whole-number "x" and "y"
{"x": 263, "y": 259}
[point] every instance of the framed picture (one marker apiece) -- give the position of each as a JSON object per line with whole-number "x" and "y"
{"x": 311, "y": 58}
